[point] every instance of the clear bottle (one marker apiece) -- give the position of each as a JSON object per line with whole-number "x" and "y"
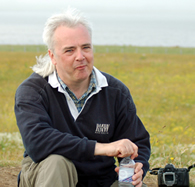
{"x": 126, "y": 171}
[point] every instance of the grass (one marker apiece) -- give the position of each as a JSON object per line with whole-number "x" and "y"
{"x": 162, "y": 86}
{"x": 11, "y": 149}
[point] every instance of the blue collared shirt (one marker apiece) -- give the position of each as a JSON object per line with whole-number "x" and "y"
{"x": 81, "y": 101}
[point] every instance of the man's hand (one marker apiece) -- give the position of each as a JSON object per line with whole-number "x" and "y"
{"x": 121, "y": 148}
{"x": 137, "y": 177}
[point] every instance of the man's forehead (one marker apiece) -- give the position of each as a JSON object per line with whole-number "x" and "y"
{"x": 71, "y": 32}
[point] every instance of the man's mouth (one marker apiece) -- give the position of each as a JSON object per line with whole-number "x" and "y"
{"x": 81, "y": 67}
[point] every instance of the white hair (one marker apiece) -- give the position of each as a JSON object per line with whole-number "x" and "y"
{"x": 70, "y": 18}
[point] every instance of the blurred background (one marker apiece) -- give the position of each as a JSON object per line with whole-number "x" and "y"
{"x": 115, "y": 22}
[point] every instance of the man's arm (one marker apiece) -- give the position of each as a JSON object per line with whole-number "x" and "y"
{"x": 39, "y": 136}
{"x": 121, "y": 148}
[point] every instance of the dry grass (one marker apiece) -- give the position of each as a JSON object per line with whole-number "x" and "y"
{"x": 162, "y": 86}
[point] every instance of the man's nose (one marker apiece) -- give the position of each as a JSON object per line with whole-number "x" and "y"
{"x": 80, "y": 56}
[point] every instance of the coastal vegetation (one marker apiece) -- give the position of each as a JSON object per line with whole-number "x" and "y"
{"x": 162, "y": 84}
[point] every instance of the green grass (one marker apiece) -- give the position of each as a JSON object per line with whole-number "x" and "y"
{"x": 11, "y": 149}
{"x": 162, "y": 86}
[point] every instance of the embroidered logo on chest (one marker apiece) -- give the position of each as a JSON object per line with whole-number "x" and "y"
{"x": 102, "y": 128}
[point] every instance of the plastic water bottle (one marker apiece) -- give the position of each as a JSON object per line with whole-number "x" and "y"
{"x": 126, "y": 171}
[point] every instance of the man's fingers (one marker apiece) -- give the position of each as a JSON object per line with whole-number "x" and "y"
{"x": 135, "y": 151}
{"x": 127, "y": 148}
{"x": 117, "y": 169}
{"x": 137, "y": 177}
{"x": 138, "y": 167}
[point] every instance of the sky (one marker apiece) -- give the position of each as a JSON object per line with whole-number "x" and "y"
{"x": 42, "y": 9}
{"x": 92, "y": 5}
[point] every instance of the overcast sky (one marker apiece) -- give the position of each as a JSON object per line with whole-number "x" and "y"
{"x": 57, "y": 5}
{"x": 36, "y": 12}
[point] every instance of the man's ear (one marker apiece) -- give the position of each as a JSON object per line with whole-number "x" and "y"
{"x": 51, "y": 55}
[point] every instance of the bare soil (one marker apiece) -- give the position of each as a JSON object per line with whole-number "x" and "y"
{"x": 8, "y": 177}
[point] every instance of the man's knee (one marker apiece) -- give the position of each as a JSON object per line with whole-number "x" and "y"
{"x": 55, "y": 170}
{"x": 60, "y": 163}
{"x": 58, "y": 160}
{"x": 59, "y": 171}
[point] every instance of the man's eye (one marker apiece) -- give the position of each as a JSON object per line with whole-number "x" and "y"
{"x": 86, "y": 47}
{"x": 69, "y": 51}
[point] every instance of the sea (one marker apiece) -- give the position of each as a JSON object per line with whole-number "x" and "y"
{"x": 109, "y": 28}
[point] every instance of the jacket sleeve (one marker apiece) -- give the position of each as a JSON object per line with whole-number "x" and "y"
{"x": 39, "y": 137}
{"x": 130, "y": 126}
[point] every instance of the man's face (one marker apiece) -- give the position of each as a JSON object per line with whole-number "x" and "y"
{"x": 73, "y": 54}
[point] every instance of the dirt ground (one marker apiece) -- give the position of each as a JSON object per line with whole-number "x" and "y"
{"x": 8, "y": 177}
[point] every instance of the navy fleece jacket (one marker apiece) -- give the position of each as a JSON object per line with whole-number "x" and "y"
{"x": 47, "y": 126}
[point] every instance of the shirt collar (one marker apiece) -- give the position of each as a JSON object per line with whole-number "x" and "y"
{"x": 101, "y": 80}
{"x": 92, "y": 84}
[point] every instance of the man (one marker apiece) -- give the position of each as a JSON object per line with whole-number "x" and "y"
{"x": 74, "y": 119}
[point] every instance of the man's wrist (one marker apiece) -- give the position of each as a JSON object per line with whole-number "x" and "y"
{"x": 99, "y": 149}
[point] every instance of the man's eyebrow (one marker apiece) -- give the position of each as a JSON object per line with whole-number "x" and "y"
{"x": 68, "y": 47}
{"x": 87, "y": 44}
{"x": 73, "y": 47}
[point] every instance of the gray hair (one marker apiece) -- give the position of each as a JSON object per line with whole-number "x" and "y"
{"x": 71, "y": 18}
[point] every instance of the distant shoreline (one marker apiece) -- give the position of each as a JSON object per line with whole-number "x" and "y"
{"x": 107, "y": 49}
{"x": 174, "y": 46}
